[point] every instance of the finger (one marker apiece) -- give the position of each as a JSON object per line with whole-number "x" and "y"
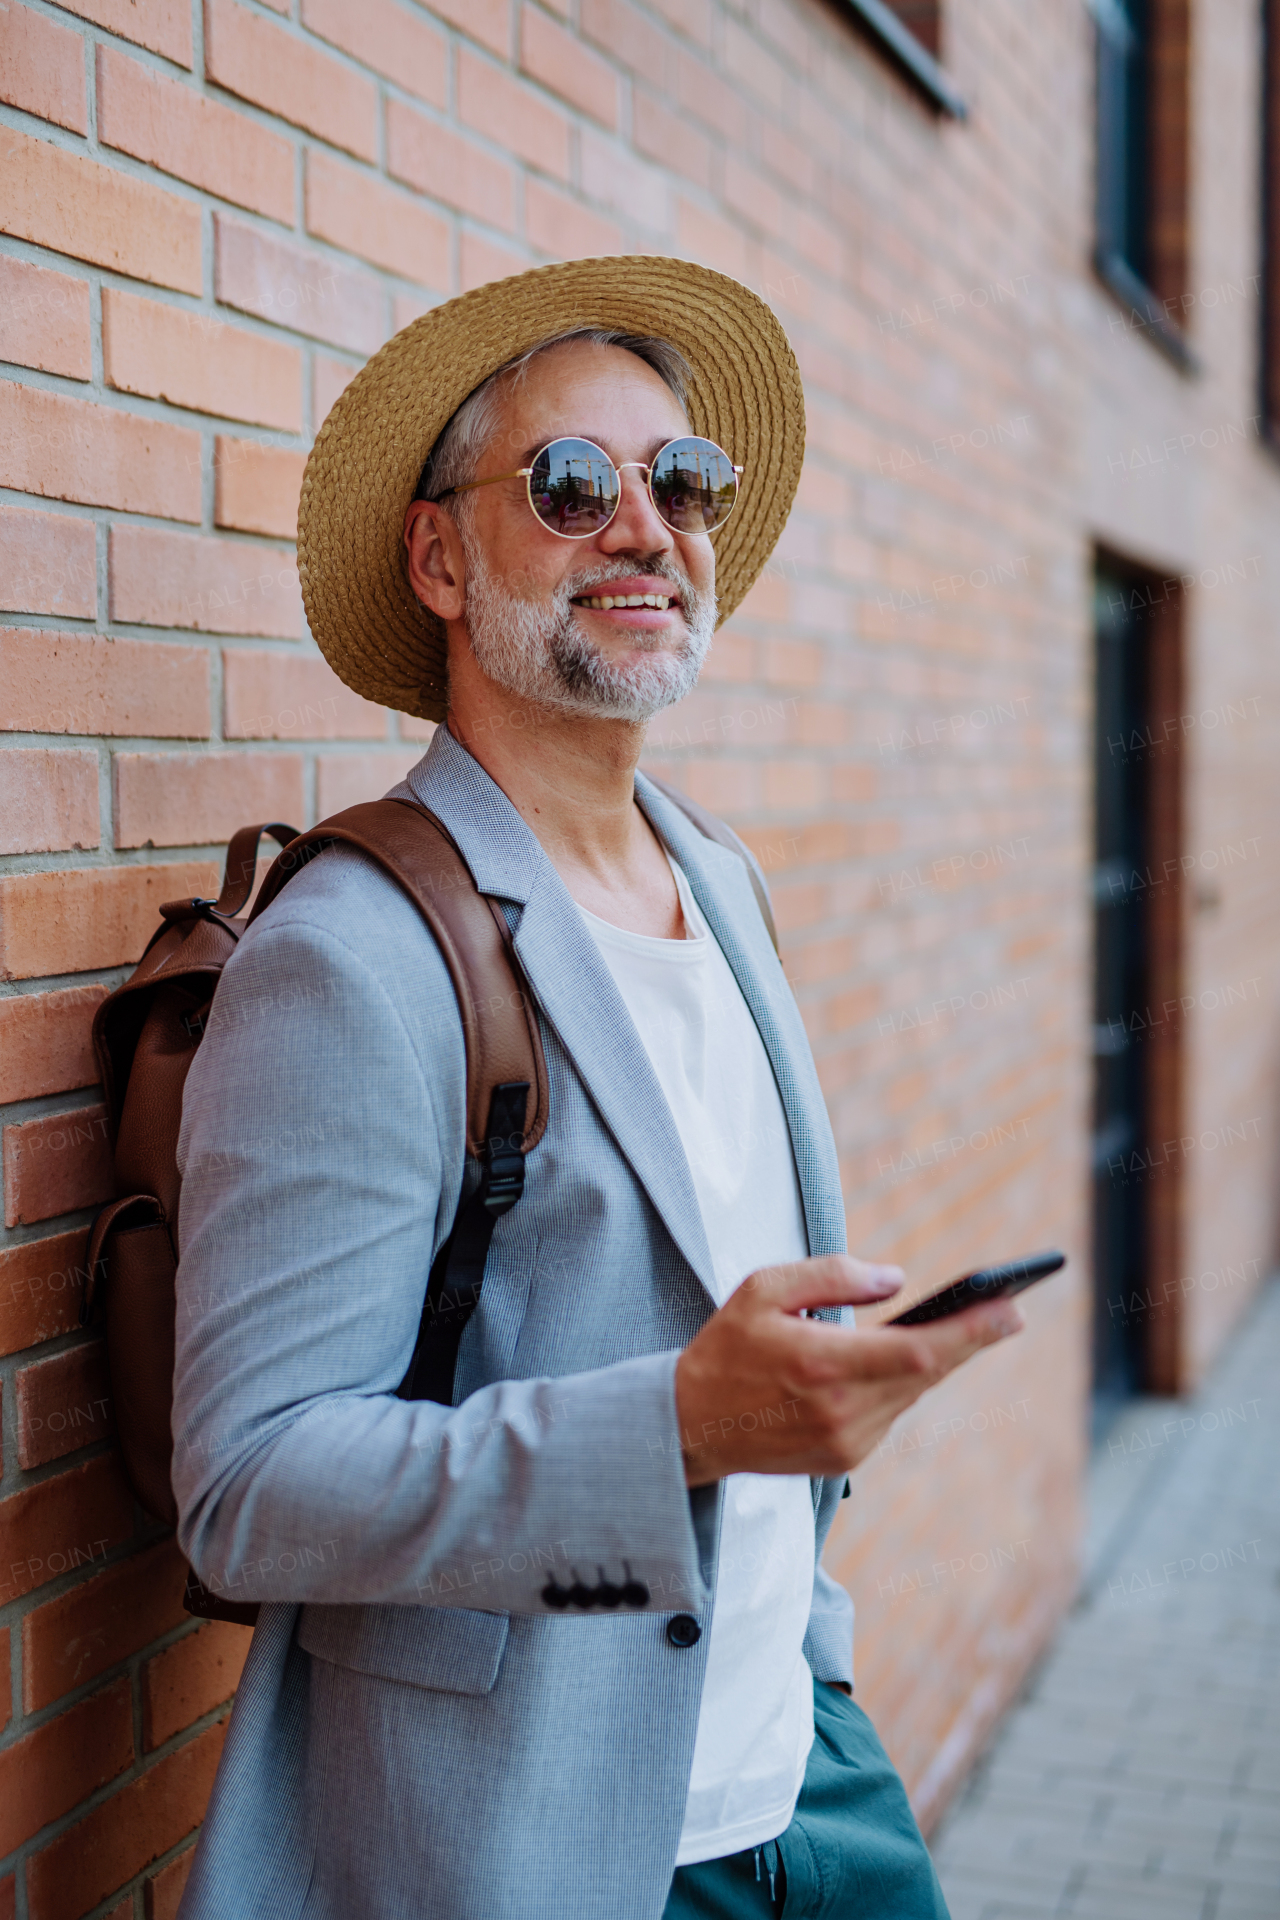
{"x": 832, "y": 1280}
{"x": 960, "y": 1334}
{"x": 882, "y": 1353}
{"x": 949, "y": 1342}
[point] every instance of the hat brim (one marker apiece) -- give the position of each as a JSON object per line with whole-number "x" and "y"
{"x": 746, "y": 395}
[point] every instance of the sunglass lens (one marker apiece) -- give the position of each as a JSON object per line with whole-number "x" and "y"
{"x": 694, "y": 485}
{"x": 574, "y": 488}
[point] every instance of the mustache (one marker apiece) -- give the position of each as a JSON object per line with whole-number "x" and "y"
{"x": 657, "y": 566}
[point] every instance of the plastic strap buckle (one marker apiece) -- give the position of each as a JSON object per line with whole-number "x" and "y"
{"x": 504, "y": 1173}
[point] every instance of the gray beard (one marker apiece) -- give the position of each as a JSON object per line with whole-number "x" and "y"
{"x": 540, "y": 651}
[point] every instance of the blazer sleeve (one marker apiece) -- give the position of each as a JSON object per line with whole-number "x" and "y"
{"x": 321, "y": 1168}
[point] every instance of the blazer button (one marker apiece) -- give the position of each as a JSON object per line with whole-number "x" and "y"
{"x": 683, "y": 1630}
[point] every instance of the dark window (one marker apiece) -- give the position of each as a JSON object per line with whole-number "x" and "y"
{"x": 1122, "y": 144}
{"x": 1137, "y": 1014}
{"x": 1270, "y": 358}
{"x": 1142, "y": 152}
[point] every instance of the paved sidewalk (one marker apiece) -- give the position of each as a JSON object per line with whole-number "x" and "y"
{"x": 1138, "y": 1778}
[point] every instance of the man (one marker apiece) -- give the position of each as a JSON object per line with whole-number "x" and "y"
{"x": 640, "y": 1394}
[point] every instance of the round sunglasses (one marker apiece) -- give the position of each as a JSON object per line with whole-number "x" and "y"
{"x": 575, "y": 489}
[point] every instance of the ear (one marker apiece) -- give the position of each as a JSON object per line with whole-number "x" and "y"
{"x": 437, "y": 568}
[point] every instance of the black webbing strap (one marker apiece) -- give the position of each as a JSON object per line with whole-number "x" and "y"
{"x": 457, "y": 1276}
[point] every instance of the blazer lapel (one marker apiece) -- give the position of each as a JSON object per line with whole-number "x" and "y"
{"x": 577, "y": 994}
{"x": 723, "y": 891}
{"x": 573, "y": 986}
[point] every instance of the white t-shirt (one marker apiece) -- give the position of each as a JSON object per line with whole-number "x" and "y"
{"x": 755, "y": 1726}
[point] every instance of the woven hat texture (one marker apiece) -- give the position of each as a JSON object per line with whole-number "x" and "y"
{"x": 361, "y": 475}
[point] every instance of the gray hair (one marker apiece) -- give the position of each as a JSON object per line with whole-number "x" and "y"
{"x": 452, "y": 459}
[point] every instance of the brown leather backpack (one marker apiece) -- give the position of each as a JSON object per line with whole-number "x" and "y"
{"x": 145, "y": 1036}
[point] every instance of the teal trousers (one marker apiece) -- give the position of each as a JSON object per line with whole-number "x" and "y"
{"x": 853, "y": 1850}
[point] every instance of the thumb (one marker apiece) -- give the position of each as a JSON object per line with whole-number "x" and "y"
{"x": 831, "y": 1280}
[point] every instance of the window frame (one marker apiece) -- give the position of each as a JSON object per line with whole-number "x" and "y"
{"x": 1124, "y": 189}
{"x": 913, "y": 60}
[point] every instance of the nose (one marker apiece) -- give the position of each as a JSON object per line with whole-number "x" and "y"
{"x": 636, "y": 527}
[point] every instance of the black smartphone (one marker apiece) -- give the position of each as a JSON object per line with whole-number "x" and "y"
{"x": 988, "y": 1283}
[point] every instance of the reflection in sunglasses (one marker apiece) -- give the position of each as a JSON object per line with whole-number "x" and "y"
{"x": 575, "y": 489}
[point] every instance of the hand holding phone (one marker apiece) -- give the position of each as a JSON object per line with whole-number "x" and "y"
{"x": 835, "y": 1390}
{"x": 988, "y": 1283}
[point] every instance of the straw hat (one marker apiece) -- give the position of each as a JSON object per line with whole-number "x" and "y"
{"x": 369, "y": 453}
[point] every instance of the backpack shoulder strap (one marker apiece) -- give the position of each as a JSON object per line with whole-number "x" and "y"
{"x": 499, "y": 1025}
{"x": 712, "y": 829}
{"x": 506, "y": 1071}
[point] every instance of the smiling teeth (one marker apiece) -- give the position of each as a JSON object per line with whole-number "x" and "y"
{"x": 605, "y": 601}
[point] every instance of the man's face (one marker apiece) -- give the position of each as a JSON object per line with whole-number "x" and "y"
{"x": 528, "y": 592}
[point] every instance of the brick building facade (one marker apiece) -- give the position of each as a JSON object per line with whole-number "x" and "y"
{"x": 211, "y": 215}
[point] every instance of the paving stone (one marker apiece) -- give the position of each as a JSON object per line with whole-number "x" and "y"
{"x": 1139, "y": 1776}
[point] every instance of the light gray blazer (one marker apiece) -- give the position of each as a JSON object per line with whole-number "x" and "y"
{"x": 416, "y": 1733}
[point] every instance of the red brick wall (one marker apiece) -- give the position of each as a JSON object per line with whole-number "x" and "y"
{"x": 211, "y": 215}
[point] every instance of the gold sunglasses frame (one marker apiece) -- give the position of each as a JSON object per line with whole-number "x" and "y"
{"x": 646, "y": 466}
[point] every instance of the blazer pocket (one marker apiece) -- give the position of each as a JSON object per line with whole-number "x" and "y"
{"x": 451, "y": 1649}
